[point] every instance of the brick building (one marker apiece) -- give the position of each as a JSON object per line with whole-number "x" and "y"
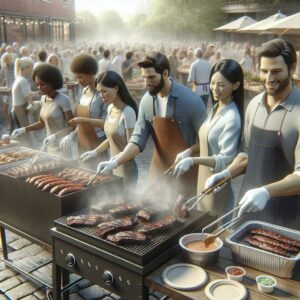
{"x": 37, "y": 20}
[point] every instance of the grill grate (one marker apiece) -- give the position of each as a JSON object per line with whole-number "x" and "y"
{"x": 137, "y": 253}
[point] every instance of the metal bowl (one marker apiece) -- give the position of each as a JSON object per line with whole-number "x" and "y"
{"x": 200, "y": 258}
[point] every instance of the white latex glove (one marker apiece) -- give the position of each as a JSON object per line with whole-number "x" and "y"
{"x": 49, "y": 139}
{"x": 183, "y": 166}
{"x": 254, "y": 200}
{"x": 184, "y": 154}
{"x": 106, "y": 167}
{"x": 215, "y": 179}
{"x": 88, "y": 155}
{"x": 65, "y": 143}
{"x": 18, "y": 132}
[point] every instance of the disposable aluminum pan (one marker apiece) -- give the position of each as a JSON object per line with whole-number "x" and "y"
{"x": 260, "y": 259}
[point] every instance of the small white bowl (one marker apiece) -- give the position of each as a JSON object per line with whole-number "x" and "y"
{"x": 231, "y": 270}
{"x": 266, "y": 288}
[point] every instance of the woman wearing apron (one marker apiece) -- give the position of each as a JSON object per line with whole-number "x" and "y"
{"x": 119, "y": 124}
{"x": 91, "y": 111}
{"x": 55, "y": 111}
{"x": 219, "y": 135}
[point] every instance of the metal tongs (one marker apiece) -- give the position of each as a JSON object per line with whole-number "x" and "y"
{"x": 211, "y": 238}
{"x": 205, "y": 192}
{"x": 170, "y": 170}
{"x": 92, "y": 179}
{"x": 37, "y": 154}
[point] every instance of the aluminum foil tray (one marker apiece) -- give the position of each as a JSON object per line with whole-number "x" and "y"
{"x": 261, "y": 259}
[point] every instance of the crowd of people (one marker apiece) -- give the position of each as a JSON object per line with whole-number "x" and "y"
{"x": 193, "y": 109}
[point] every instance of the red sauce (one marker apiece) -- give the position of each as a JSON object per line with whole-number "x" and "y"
{"x": 235, "y": 271}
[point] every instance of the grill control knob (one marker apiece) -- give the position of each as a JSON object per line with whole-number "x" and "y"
{"x": 70, "y": 260}
{"x": 108, "y": 277}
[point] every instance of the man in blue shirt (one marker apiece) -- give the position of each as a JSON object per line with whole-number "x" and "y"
{"x": 170, "y": 112}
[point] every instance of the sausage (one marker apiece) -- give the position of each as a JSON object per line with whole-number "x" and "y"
{"x": 52, "y": 184}
{"x": 71, "y": 189}
{"x": 37, "y": 182}
{"x": 59, "y": 187}
{"x": 48, "y": 180}
{"x": 33, "y": 179}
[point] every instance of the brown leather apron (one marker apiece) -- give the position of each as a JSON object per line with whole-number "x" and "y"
{"x": 168, "y": 143}
{"x": 117, "y": 145}
{"x": 86, "y": 136}
{"x": 214, "y": 203}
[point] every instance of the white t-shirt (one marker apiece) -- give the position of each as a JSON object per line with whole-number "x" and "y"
{"x": 161, "y": 106}
{"x": 20, "y": 90}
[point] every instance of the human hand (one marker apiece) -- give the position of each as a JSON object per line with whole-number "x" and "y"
{"x": 183, "y": 166}
{"x": 254, "y": 200}
{"x": 184, "y": 154}
{"x": 76, "y": 121}
{"x": 18, "y": 132}
{"x": 214, "y": 179}
{"x": 65, "y": 143}
{"x": 88, "y": 155}
{"x": 106, "y": 167}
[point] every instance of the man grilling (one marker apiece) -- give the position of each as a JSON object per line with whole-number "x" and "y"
{"x": 171, "y": 113}
{"x": 270, "y": 156}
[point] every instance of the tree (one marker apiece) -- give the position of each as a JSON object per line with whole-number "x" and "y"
{"x": 86, "y": 25}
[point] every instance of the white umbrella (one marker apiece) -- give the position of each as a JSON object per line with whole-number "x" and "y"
{"x": 261, "y": 26}
{"x": 289, "y": 25}
{"x": 237, "y": 24}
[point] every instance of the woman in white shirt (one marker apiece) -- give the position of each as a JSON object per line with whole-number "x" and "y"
{"x": 219, "y": 135}
{"x": 119, "y": 124}
{"x": 22, "y": 95}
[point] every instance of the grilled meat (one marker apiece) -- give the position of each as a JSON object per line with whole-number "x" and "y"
{"x": 181, "y": 209}
{"x": 123, "y": 209}
{"x": 275, "y": 236}
{"x": 266, "y": 246}
{"x": 162, "y": 224}
{"x": 10, "y": 157}
{"x": 276, "y": 243}
{"x": 127, "y": 237}
{"x": 145, "y": 214}
{"x": 83, "y": 220}
{"x": 122, "y": 224}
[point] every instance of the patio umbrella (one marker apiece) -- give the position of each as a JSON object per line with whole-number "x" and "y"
{"x": 288, "y": 25}
{"x": 236, "y": 24}
{"x": 261, "y": 26}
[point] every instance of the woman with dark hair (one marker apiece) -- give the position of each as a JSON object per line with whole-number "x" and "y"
{"x": 55, "y": 111}
{"x": 91, "y": 110}
{"x": 121, "y": 117}
{"x": 219, "y": 135}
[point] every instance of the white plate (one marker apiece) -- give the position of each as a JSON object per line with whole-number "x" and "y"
{"x": 184, "y": 276}
{"x": 225, "y": 289}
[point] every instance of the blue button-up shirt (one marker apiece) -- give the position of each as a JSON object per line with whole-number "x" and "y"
{"x": 189, "y": 115}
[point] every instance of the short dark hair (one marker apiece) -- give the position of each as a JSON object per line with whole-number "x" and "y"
{"x": 85, "y": 64}
{"x": 129, "y": 54}
{"x": 106, "y": 53}
{"x": 42, "y": 55}
{"x": 112, "y": 79}
{"x": 49, "y": 74}
{"x": 155, "y": 60}
{"x": 276, "y": 48}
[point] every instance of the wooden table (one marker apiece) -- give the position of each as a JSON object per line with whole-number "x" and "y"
{"x": 286, "y": 288}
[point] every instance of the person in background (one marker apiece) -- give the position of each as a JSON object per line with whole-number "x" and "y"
{"x": 270, "y": 154}
{"x": 174, "y": 63}
{"x": 128, "y": 66}
{"x": 215, "y": 58}
{"x": 219, "y": 135}
{"x": 116, "y": 64}
{"x": 171, "y": 113}
{"x": 119, "y": 124}
{"x": 55, "y": 108}
{"x": 199, "y": 76}
{"x": 42, "y": 55}
{"x": 247, "y": 62}
{"x": 91, "y": 111}
{"x": 22, "y": 95}
{"x": 7, "y": 79}
{"x": 104, "y": 63}
{"x": 53, "y": 59}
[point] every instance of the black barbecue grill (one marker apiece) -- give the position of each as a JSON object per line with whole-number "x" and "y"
{"x": 118, "y": 268}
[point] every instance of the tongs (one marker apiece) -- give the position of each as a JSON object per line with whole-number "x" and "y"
{"x": 38, "y": 153}
{"x": 211, "y": 238}
{"x": 205, "y": 192}
{"x": 92, "y": 178}
{"x": 170, "y": 170}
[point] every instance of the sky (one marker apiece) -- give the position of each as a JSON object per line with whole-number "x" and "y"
{"x": 125, "y": 8}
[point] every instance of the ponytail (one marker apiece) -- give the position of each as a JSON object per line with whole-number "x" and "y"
{"x": 22, "y": 63}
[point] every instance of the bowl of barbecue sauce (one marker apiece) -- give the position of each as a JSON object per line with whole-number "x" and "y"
{"x": 199, "y": 253}
{"x": 235, "y": 273}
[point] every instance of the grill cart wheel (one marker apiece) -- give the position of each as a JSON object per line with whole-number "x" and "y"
{"x": 49, "y": 294}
